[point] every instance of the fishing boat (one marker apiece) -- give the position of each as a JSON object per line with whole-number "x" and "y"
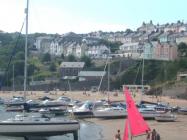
{"x": 24, "y": 126}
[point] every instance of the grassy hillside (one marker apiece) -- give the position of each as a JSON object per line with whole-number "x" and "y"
{"x": 155, "y": 72}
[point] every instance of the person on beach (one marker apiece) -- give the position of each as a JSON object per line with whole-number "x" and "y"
{"x": 118, "y": 136}
{"x": 157, "y": 136}
{"x": 153, "y": 134}
{"x": 148, "y": 137}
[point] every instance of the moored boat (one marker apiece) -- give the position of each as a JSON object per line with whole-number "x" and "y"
{"x": 110, "y": 112}
{"x": 22, "y": 126}
{"x": 166, "y": 117}
{"x": 182, "y": 111}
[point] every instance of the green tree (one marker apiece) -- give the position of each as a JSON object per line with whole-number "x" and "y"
{"x": 87, "y": 60}
{"x": 182, "y": 49}
{"x": 20, "y": 56}
{"x": 46, "y": 57}
{"x": 62, "y": 56}
{"x": 52, "y": 67}
{"x": 31, "y": 69}
{"x": 19, "y": 67}
{"x": 71, "y": 58}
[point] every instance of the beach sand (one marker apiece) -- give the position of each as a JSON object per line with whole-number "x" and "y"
{"x": 167, "y": 130}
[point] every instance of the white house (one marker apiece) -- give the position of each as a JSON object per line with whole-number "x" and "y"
{"x": 98, "y": 51}
{"x": 131, "y": 50}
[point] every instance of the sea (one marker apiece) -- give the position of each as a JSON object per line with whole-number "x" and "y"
{"x": 88, "y": 130}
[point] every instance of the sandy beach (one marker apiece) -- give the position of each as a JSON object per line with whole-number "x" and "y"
{"x": 168, "y": 130}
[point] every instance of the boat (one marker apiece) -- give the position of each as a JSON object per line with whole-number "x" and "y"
{"x": 24, "y": 126}
{"x": 15, "y": 101}
{"x": 53, "y": 111}
{"x": 182, "y": 111}
{"x": 149, "y": 113}
{"x": 1, "y": 101}
{"x": 109, "y": 111}
{"x": 84, "y": 111}
{"x": 135, "y": 122}
{"x": 166, "y": 117}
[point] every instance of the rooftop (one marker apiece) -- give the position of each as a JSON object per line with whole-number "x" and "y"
{"x": 72, "y": 65}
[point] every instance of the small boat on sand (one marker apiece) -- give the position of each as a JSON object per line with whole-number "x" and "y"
{"x": 166, "y": 117}
{"x": 182, "y": 111}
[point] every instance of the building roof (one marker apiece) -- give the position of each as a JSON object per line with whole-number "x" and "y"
{"x": 92, "y": 73}
{"x": 72, "y": 65}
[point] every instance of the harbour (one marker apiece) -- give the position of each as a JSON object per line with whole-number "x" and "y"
{"x": 105, "y": 129}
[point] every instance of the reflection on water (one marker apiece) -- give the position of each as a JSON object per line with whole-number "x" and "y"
{"x": 88, "y": 131}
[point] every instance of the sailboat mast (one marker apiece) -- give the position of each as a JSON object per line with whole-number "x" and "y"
{"x": 108, "y": 77}
{"x": 13, "y": 87}
{"x": 26, "y": 43}
{"x": 142, "y": 75}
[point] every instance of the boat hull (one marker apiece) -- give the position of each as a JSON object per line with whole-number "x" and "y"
{"x": 110, "y": 114}
{"x": 166, "y": 118}
{"x": 83, "y": 114}
{"x": 37, "y": 129}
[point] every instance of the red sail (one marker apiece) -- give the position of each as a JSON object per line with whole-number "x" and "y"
{"x": 126, "y": 135}
{"x": 137, "y": 124}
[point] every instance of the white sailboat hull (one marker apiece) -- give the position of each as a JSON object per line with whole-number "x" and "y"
{"x": 37, "y": 128}
{"x": 109, "y": 113}
{"x": 166, "y": 118}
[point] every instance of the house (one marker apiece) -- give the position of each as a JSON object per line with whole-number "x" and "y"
{"x": 136, "y": 37}
{"x": 154, "y": 36}
{"x": 165, "y": 51}
{"x": 56, "y": 47}
{"x": 164, "y": 37}
{"x": 98, "y": 51}
{"x": 144, "y": 37}
{"x": 148, "y": 50}
{"x": 43, "y": 44}
{"x": 176, "y": 27}
{"x": 147, "y": 27}
{"x": 172, "y": 37}
{"x": 131, "y": 50}
{"x": 70, "y": 70}
{"x": 91, "y": 75}
{"x": 182, "y": 38}
{"x": 128, "y": 37}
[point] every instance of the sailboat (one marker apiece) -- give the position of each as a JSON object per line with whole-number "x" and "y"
{"x": 25, "y": 126}
{"x": 108, "y": 110}
{"x": 135, "y": 121}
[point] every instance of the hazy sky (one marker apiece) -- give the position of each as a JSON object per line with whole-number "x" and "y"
{"x": 82, "y": 16}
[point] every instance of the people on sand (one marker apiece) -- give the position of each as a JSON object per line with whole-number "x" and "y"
{"x": 155, "y": 135}
{"x": 148, "y": 137}
{"x": 118, "y": 135}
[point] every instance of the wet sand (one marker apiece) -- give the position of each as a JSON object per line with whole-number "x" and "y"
{"x": 168, "y": 130}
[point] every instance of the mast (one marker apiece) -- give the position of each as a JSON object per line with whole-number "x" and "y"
{"x": 142, "y": 75}
{"x": 108, "y": 77}
{"x": 26, "y": 43}
{"x": 13, "y": 87}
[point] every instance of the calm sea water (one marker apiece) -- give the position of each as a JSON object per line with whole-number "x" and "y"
{"x": 88, "y": 130}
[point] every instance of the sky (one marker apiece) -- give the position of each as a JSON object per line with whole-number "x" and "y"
{"x": 83, "y": 16}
